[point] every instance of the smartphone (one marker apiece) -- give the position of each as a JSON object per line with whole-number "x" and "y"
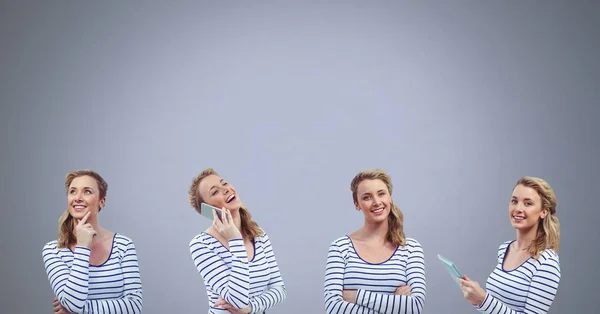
{"x": 206, "y": 211}
{"x": 451, "y": 269}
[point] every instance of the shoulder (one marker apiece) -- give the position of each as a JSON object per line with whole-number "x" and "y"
{"x": 413, "y": 243}
{"x": 50, "y": 247}
{"x": 502, "y": 247}
{"x": 342, "y": 243}
{"x": 549, "y": 259}
{"x": 203, "y": 240}
{"x": 122, "y": 240}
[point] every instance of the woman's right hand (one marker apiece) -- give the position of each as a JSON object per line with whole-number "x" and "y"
{"x": 403, "y": 290}
{"x": 84, "y": 232}
{"x": 225, "y": 226}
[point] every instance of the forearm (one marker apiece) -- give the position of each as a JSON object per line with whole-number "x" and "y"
{"x": 268, "y": 299}
{"x": 130, "y": 304}
{"x": 70, "y": 285}
{"x": 335, "y": 304}
{"x": 390, "y": 303}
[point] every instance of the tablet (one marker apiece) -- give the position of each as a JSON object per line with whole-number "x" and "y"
{"x": 206, "y": 211}
{"x": 451, "y": 268}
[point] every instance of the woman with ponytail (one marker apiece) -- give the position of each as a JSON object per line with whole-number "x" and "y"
{"x": 234, "y": 256}
{"x": 526, "y": 278}
{"x": 91, "y": 269}
{"x": 375, "y": 269}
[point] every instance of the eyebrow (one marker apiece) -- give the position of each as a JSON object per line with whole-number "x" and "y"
{"x": 527, "y": 198}
{"x": 85, "y": 187}
{"x": 366, "y": 193}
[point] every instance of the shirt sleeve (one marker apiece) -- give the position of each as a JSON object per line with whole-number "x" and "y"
{"x": 232, "y": 284}
{"x": 70, "y": 286}
{"x": 541, "y": 293}
{"x": 390, "y": 303}
{"x": 276, "y": 291}
{"x": 334, "y": 285}
{"x": 131, "y": 301}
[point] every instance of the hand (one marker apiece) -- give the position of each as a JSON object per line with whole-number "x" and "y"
{"x": 349, "y": 295}
{"x": 222, "y": 303}
{"x": 472, "y": 291}
{"x": 58, "y": 308}
{"x": 84, "y": 232}
{"x": 403, "y": 290}
{"x": 225, "y": 226}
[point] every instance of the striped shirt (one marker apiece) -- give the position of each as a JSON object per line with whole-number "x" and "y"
{"x": 529, "y": 288}
{"x": 375, "y": 283}
{"x": 113, "y": 287}
{"x": 237, "y": 280}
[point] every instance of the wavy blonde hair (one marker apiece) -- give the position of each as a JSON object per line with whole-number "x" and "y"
{"x": 548, "y": 231}
{"x": 249, "y": 228}
{"x": 395, "y": 232}
{"x": 66, "y": 233}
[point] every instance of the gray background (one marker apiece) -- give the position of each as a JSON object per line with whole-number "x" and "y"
{"x": 288, "y": 102}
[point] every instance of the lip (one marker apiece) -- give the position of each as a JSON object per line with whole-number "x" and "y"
{"x": 378, "y": 211}
{"x": 232, "y": 197}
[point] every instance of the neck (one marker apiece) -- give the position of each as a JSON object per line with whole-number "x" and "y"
{"x": 525, "y": 237}
{"x": 235, "y": 214}
{"x": 100, "y": 234}
{"x": 375, "y": 230}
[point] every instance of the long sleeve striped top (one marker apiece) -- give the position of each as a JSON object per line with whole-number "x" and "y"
{"x": 113, "y": 287}
{"x": 239, "y": 281}
{"x": 375, "y": 283}
{"x": 527, "y": 289}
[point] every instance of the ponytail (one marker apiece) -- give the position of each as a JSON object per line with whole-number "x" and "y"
{"x": 395, "y": 232}
{"x": 66, "y": 232}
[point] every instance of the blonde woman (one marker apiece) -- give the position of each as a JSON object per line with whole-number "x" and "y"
{"x": 375, "y": 269}
{"x": 527, "y": 275}
{"x": 91, "y": 269}
{"x": 234, "y": 256}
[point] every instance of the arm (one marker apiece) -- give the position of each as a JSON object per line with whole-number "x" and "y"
{"x": 334, "y": 284}
{"x": 276, "y": 291}
{"x": 390, "y": 303}
{"x": 541, "y": 293}
{"x": 233, "y": 285}
{"x": 70, "y": 286}
{"x": 131, "y": 301}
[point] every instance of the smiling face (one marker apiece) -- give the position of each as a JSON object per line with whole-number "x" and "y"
{"x": 525, "y": 210}
{"x": 374, "y": 199}
{"x": 217, "y": 192}
{"x": 83, "y": 195}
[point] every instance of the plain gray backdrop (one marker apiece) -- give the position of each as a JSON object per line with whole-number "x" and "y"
{"x": 288, "y": 102}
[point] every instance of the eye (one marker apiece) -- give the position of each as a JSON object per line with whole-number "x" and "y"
{"x": 382, "y": 194}
{"x": 514, "y": 202}
{"x": 213, "y": 192}
{"x": 366, "y": 198}
{"x": 528, "y": 203}
{"x": 224, "y": 183}
{"x": 72, "y": 192}
{"x": 88, "y": 192}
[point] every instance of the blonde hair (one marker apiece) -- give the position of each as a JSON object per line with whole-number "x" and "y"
{"x": 548, "y": 231}
{"x": 395, "y": 232}
{"x": 66, "y": 233}
{"x": 248, "y": 226}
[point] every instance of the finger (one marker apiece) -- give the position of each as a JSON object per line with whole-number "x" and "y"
{"x": 216, "y": 221}
{"x": 84, "y": 219}
{"x": 227, "y": 215}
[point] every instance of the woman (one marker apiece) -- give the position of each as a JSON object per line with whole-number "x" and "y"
{"x": 527, "y": 275}
{"x": 375, "y": 269}
{"x": 91, "y": 269}
{"x": 234, "y": 256}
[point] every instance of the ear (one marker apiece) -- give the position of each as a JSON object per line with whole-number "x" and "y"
{"x": 356, "y": 206}
{"x": 102, "y": 204}
{"x": 544, "y": 213}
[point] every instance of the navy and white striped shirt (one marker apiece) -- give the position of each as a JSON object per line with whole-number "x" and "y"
{"x": 239, "y": 281}
{"x": 527, "y": 289}
{"x": 113, "y": 287}
{"x": 375, "y": 283}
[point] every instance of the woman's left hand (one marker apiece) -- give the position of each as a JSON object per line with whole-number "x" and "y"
{"x": 349, "y": 295}
{"x": 472, "y": 291}
{"x": 222, "y": 303}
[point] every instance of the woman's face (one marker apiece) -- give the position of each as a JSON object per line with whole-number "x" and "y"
{"x": 217, "y": 192}
{"x": 525, "y": 208}
{"x": 374, "y": 199}
{"x": 83, "y": 196}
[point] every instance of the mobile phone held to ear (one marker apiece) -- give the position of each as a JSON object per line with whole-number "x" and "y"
{"x": 206, "y": 211}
